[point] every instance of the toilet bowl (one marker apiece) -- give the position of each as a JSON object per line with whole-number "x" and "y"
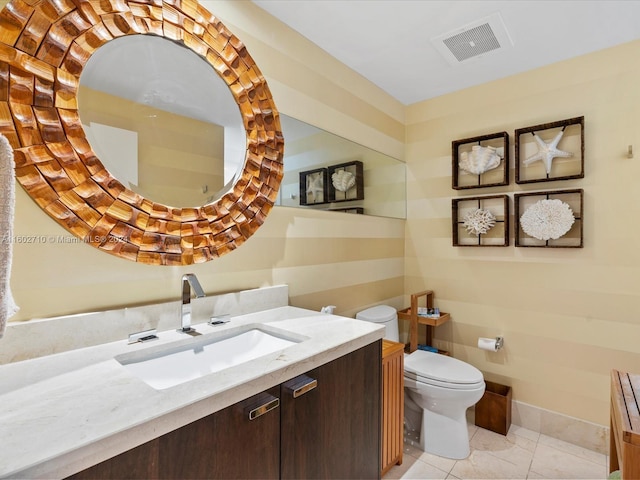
{"x": 438, "y": 387}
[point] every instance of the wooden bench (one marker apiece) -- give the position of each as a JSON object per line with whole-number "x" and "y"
{"x": 624, "y": 443}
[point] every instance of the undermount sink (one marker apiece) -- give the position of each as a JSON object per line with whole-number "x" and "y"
{"x": 169, "y": 365}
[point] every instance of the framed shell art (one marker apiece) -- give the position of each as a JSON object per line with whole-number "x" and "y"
{"x": 550, "y": 151}
{"x": 346, "y": 182}
{"x": 480, "y": 161}
{"x": 480, "y": 221}
{"x": 552, "y": 219}
{"x": 313, "y": 187}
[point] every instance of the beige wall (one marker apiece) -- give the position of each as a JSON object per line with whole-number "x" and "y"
{"x": 568, "y": 315}
{"x": 326, "y": 258}
{"x": 177, "y": 155}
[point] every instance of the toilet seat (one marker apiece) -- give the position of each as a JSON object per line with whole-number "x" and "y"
{"x": 442, "y": 371}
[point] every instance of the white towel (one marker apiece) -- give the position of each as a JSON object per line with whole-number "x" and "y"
{"x": 8, "y": 307}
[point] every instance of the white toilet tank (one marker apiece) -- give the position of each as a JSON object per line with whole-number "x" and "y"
{"x": 382, "y": 314}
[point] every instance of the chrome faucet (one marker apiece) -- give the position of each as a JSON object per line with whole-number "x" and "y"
{"x": 189, "y": 281}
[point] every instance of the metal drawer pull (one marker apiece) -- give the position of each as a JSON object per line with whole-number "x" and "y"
{"x": 301, "y": 385}
{"x": 264, "y": 408}
{"x": 305, "y": 388}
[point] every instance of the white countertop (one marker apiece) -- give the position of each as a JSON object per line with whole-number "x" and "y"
{"x": 65, "y": 412}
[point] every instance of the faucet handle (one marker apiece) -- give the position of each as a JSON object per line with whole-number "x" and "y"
{"x": 219, "y": 319}
{"x": 143, "y": 336}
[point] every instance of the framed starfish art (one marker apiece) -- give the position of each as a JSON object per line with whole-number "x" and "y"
{"x": 550, "y": 151}
{"x": 313, "y": 187}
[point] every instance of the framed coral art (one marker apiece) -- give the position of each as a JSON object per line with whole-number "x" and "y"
{"x": 480, "y": 161}
{"x": 551, "y": 219}
{"x": 313, "y": 187}
{"x": 346, "y": 181}
{"x": 550, "y": 151}
{"x": 480, "y": 221}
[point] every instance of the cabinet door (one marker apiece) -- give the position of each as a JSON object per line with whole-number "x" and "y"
{"x": 242, "y": 441}
{"x": 333, "y": 430}
{"x": 138, "y": 463}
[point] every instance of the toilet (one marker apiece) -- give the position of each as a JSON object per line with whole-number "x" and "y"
{"x": 438, "y": 391}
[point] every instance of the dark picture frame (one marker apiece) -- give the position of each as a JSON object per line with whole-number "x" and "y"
{"x": 527, "y": 147}
{"x": 356, "y": 192}
{"x": 313, "y": 187}
{"x": 464, "y": 149}
{"x": 357, "y": 210}
{"x": 497, "y": 236}
{"x": 571, "y": 239}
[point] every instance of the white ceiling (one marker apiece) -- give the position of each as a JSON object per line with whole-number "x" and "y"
{"x": 390, "y": 43}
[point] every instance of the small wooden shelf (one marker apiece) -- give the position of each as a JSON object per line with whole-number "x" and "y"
{"x": 407, "y": 314}
{"x": 411, "y": 314}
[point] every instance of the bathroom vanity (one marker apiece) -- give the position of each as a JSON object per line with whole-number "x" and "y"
{"x": 321, "y": 424}
{"x": 315, "y": 407}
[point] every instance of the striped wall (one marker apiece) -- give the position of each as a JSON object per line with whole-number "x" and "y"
{"x": 346, "y": 260}
{"x": 568, "y": 316}
{"x": 177, "y": 156}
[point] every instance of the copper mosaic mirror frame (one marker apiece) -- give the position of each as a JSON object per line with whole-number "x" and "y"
{"x": 44, "y": 46}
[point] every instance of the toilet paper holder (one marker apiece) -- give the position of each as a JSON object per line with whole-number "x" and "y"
{"x": 491, "y": 344}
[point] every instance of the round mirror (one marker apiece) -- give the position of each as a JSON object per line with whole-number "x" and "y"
{"x": 55, "y": 162}
{"x": 161, "y": 120}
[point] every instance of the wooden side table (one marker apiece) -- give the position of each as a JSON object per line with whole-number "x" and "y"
{"x": 411, "y": 314}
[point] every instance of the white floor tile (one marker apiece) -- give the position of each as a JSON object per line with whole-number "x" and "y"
{"x": 522, "y": 454}
{"x": 512, "y": 448}
{"x": 412, "y": 448}
{"x": 567, "y": 447}
{"x": 414, "y": 469}
{"x": 524, "y": 432}
{"x": 552, "y": 463}
{"x": 484, "y": 465}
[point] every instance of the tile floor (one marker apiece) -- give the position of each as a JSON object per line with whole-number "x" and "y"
{"x": 522, "y": 454}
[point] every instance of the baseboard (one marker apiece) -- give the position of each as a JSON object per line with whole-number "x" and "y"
{"x": 563, "y": 427}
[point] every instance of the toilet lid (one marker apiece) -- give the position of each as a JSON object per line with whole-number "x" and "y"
{"x": 428, "y": 367}
{"x": 378, "y": 314}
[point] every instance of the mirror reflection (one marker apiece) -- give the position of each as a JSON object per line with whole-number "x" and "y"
{"x": 166, "y": 125}
{"x": 327, "y": 172}
{"x": 161, "y": 120}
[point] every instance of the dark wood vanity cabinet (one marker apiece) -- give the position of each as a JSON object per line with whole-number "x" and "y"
{"x": 138, "y": 463}
{"x": 333, "y": 431}
{"x": 324, "y": 424}
{"x": 241, "y": 441}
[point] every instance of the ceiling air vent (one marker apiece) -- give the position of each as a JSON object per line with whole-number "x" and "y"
{"x": 483, "y": 36}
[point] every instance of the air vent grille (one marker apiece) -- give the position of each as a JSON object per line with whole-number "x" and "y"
{"x": 472, "y": 42}
{"x": 486, "y": 35}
